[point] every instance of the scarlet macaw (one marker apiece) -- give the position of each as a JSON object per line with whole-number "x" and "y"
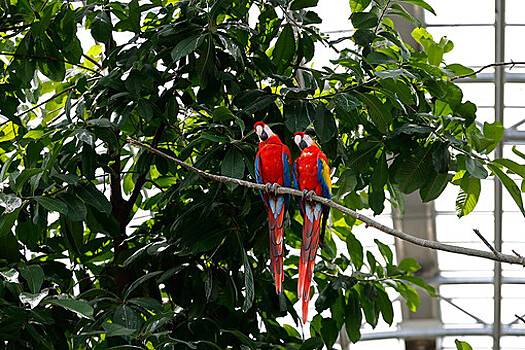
{"x": 273, "y": 168}
{"x": 312, "y": 176}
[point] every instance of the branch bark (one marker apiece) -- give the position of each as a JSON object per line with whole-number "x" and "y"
{"x": 505, "y": 258}
{"x": 497, "y": 64}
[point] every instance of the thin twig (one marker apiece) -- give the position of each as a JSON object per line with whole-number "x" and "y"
{"x": 520, "y": 318}
{"x": 92, "y": 60}
{"x": 476, "y": 231}
{"x": 497, "y": 64}
{"x": 51, "y": 98}
{"x": 49, "y": 58}
{"x": 510, "y": 259}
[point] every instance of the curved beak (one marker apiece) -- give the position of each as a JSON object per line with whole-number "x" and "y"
{"x": 263, "y": 136}
{"x": 303, "y": 144}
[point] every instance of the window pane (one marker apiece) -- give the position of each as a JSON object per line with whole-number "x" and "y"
{"x": 453, "y": 11}
{"x": 467, "y": 51}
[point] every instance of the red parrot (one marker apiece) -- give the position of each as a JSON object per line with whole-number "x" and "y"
{"x": 312, "y": 176}
{"x": 273, "y": 168}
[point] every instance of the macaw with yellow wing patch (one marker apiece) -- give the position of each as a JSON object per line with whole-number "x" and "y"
{"x": 273, "y": 164}
{"x": 312, "y": 176}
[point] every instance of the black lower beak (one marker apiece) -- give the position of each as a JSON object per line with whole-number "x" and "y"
{"x": 264, "y": 136}
{"x": 303, "y": 145}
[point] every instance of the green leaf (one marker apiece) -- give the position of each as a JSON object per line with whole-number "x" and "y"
{"x": 244, "y": 339}
{"x": 233, "y": 164}
{"x": 324, "y": 124}
{"x": 24, "y": 178}
{"x": 510, "y": 185}
{"x": 475, "y": 168}
{"x": 364, "y": 20}
{"x": 284, "y": 49}
{"x": 329, "y": 331}
{"x": 379, "y": 113}
{"x": 248, "y": 283}
{"x": 385, "y": 306}
{"x": 420, "y": 283}
{"x": 422, "y": 4}
{"x": 92, "y": 196}
{"x": 468, "y": 195}
{"x": 116, "y": 330}
{"x": 298, "y": 115}
{"x": 495, "y": 132}
{"x": 34, "y": 276}
{"x": 52, "y": 204}
{"x": 81, "y": 308}
{"x": 359, "y": 5}
{"x": 462, "y": 345}
{"x": 138, "y": 282}
{"x": 511, "y": 165}
{"x": 300, "y": 4}
{"x": 145, "y": 109}
{"x": 186, "y": 46}
{"x": 413, "y": 171}
{"x": 409, "y": 265}
{"x": 376, "y": 194}
{"x": 312, "y": 344}
{"x": 409, "y": 294}
{"x": 355, "y": 249}
{"x": 353, "y": 316}
{"x": 459, "y": 70}
{"x": 101, "y": 27}
{"x": 134, "y": 82}
{"x": 385, "y": 251}
{"x": 7, "y": 221}
{"x": 127, "y": 317}
{"x": 434, "y": 187}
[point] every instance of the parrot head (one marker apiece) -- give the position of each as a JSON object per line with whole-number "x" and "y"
{"x": 302, "y": 140}
{"x": 263, "y": 131}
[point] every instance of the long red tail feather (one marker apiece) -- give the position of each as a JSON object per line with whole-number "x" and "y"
{"x": 310, "y": 242}
{"x": 277, "y": 246}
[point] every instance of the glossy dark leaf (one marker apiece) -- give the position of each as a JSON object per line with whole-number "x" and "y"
{"x": 34, "y": 276}
{"x": 353, "y": 317}
{"x": 186, "y": 46}
{"x": 79, "y": 307}
{"x": 510, "y": 185}
{"x": 233, "y": 164}
{"x": 299, "y": 4}
{"x": 284, "y": 48}
{"x": 364, "y": 20}
{"x": 324, "y": 124}
{"x": 101, "y": 27}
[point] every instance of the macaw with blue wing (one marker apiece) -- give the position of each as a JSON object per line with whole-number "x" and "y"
{"x": 312, "y": 176}
{"x": 273, "y": 164}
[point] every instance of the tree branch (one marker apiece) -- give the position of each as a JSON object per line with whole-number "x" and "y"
{"x": 497, "y": 64}
{"x": 505, "y": 258}
{"x": 141, "y": 179}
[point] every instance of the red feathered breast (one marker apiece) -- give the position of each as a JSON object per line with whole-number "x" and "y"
{"x": 271, "y": 153}
{"x": 307, "y": 169}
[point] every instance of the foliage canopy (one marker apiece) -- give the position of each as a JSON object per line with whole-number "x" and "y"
{"x": 193, "y": 78}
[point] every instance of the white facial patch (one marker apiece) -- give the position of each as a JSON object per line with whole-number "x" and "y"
{"x": 259, "y": 129}
{"x": 297, "y": 139}
{"x": 308, "y": 140}
{"x": 268, "y": 130}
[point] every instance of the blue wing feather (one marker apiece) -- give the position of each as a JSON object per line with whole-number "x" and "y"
{"x": 296, "y": 186}
{"x": 258, "y": 176}
{"x": 325, "y": 188}
{"x": 287, "y": 181}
